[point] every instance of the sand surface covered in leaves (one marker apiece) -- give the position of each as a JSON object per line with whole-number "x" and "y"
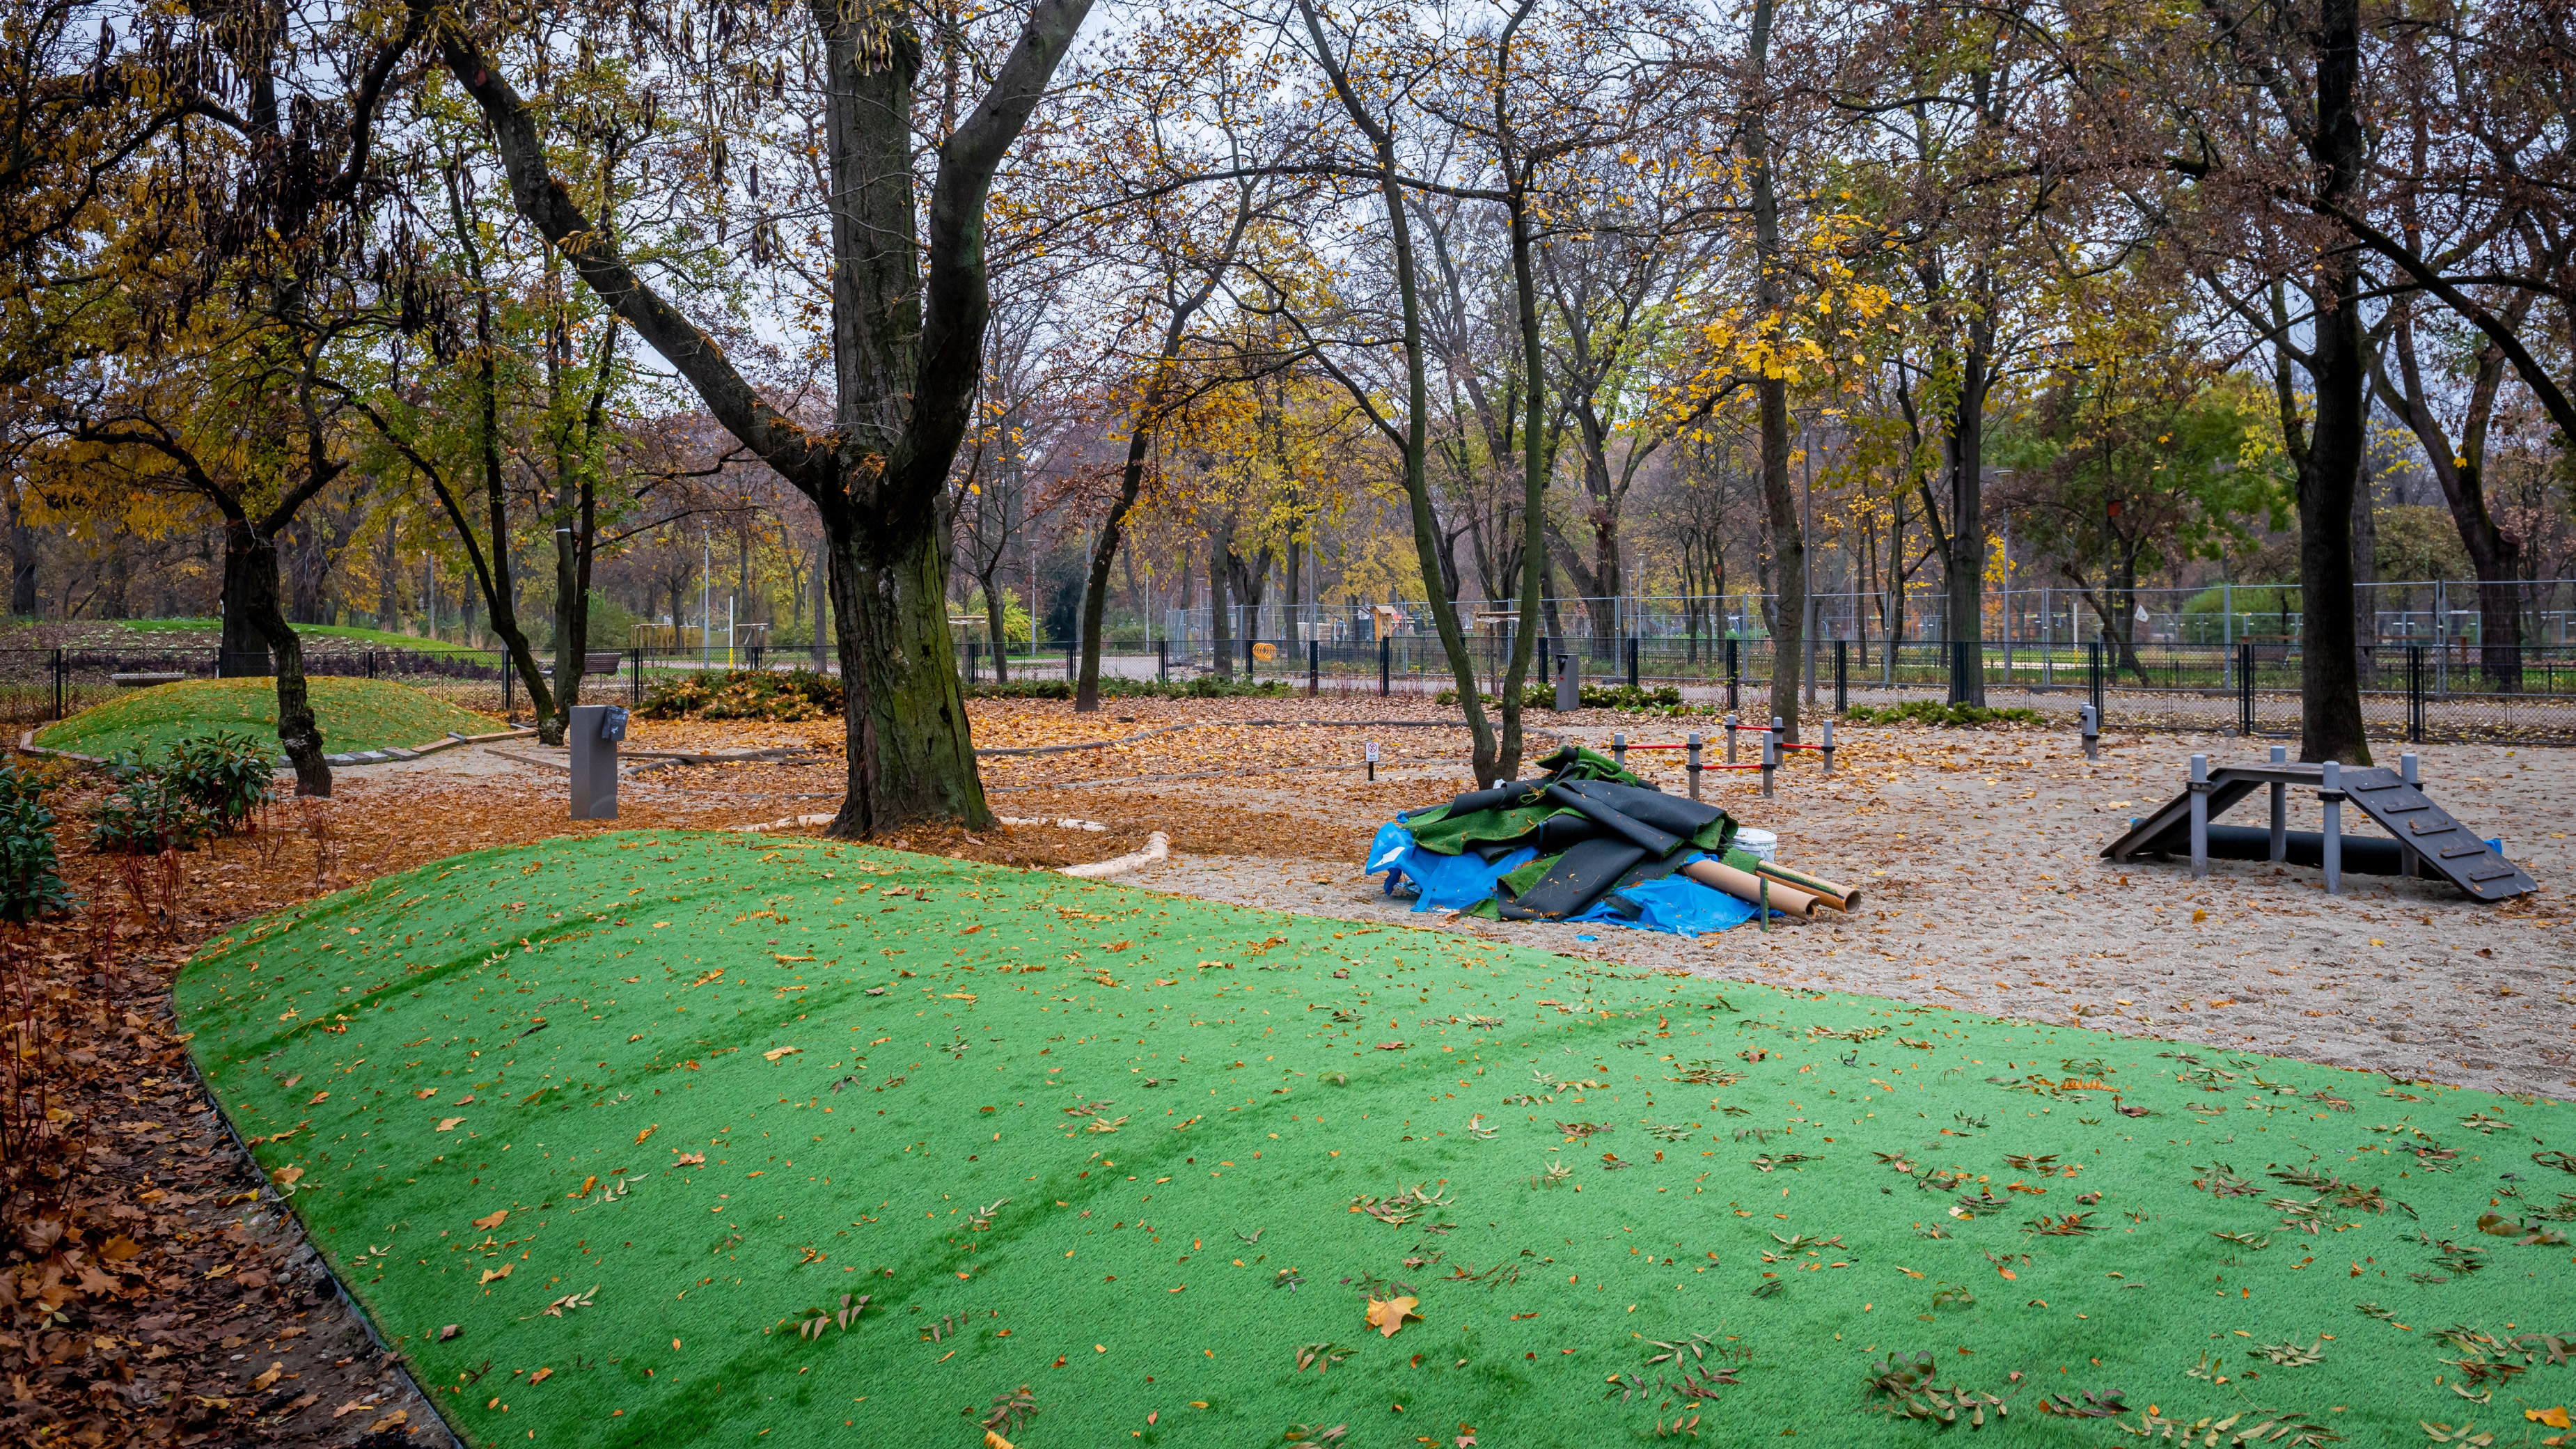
{"x": 715, "y": 1136}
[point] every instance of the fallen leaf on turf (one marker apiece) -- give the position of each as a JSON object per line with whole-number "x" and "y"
{"x": 689, "y": 1159}
{"x": 1392, "y": 1046}
{"x": 1391, "y": 1314}
{"x": 426, "y": 1092}
{"x": 647, "y": 1132}
{"x": 541, "y": 1375}
{"x": 448, "y": 1124}
{"x": 995, "y": 1441}
{"x": 450, "y": 1331}
{"x": 501, "y": 1272}
{"x": 285, "y": 1176}
{"x": 2555, "y": 1418}
{"x": 316, "y": 1097}
{"x": 269, "y": 1377}
{"x": 782, "y": 960}
{"x": 492, "y": 1221}
{"x": 773, "y": 1054}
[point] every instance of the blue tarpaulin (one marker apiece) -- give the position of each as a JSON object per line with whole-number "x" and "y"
{"x": 1446, "y": 882}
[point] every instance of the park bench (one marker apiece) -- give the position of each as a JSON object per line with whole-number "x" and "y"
{"x": 597, "y": 661}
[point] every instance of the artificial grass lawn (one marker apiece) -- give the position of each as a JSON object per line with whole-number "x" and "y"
{"x": 709, "y": 1084}
{"x": 355, "y": 714}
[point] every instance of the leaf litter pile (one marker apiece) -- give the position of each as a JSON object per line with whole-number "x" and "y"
{"x": 641, "y": 1138}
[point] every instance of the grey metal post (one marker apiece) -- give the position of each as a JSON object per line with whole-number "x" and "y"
{"x": 1730, "y": 739}
{"x": 1162, "y": 660}
{"x": 1619, "y": 748}
{"x": 2199, "y": 816}
{"x": 2333, "y": 797}
{"x": 1770, "y": 757}
{"x": 593, "y": 733}
{"x": 1569, "y": 681}
{"x": 2280, "y": 810}
{"x": 1828, "y": 750}
{"x": 2091, "y": 723}
{"x": 1692, "y": 768}
{"x": 2408, "y": 770}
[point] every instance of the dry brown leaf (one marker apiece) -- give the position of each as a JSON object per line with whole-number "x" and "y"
{"x": 448, "y": 1124}
{"x": 317, "y": 1097}
{"x": 1388, "y": 1315}
{"x": 647, "y": 1132}
{"x": 352, "y": 1407}
{"x": 773, "y": 1054}
{"x": 269, "y": 1377}
{"x": 501, "y": 1272}
{"x": 450, "y": 1331}
{"x": 541, "y": 1375}
{"x": 393, "y": 1420}
{"x": 492, "y": 1220}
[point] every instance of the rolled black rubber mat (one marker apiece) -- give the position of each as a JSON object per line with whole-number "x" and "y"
{"x": 1579, "y": 877}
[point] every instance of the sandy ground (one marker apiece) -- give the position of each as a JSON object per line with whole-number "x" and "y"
{"x": 1984, "y": 888}
{"x": 1978, "y": 854}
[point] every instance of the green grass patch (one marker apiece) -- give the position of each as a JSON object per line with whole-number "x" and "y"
{"x": 1939, "y": 714}
{"x": 355, "y": 714}
{"x": 1151, "y": 1160}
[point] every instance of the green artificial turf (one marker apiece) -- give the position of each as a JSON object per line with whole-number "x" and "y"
{"x": 355, "y": 714}
{"x": 700, "y": 1087}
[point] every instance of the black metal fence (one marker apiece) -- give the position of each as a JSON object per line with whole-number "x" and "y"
{"x": 2409, "y": 692}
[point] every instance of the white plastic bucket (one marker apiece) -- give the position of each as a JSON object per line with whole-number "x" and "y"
{"x": 1761, "y": 844}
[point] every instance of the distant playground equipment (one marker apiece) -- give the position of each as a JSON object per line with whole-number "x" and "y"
{"x": 1775, "y": 750}
{"x": 2427, "y": 840}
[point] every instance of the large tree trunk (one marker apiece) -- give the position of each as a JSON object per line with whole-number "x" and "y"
{"x": 905, "y": 727}
{"x": 22, "y": 558}
{"x": 1220, "y": 619}
{"x": 1104, "y": 552}
{"x": 250, "y": 568}
{"x": 1771, "y": 397}
{"x": 2329, "y": 674}
{"x": 252, "y": 594}
{"x": 1964, "y": 562}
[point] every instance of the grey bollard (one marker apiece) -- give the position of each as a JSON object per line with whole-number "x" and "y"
{"x": 1828, "y": 750}
{"x": 2092, "y": 727}
{"x": 2199, "y": 816}
{"x": 1693, "y": 766}
{"x": 1619, "y": 749}
{"x": 2332, "y": 796}
{"x": 2280, "y": 810}
{"x": 1569, "y": 682}
{"x": 1770, "y": 759}
{"x": 593, "y": 734}
{"x": 1730, "y": 739}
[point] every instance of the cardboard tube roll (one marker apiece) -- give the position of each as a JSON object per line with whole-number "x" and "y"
{"x": 1840, "y": 897}
{"x": 1746, "y": 886}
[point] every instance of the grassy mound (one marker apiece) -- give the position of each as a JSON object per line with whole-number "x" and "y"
{"x": 640, "y": 1116}
{"x": 356, "y": 714}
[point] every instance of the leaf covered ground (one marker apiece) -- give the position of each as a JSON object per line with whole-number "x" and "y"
{"x": 355, "y": 714}
{"x": 651, "y": 1137}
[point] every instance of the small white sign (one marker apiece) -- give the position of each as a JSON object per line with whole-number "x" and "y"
{"x": 1372, "y": 752}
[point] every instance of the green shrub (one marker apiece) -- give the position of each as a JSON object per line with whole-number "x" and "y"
{"x": 782, "y": 696}
{"x": 1206, "y": 686}
{"x": 146, "y": 815}
{"x": 227, "y": 776}
{"x": 1935, "y": 712}
{"x": 29, "y": 884}
{"x": 1595, "y": 696}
